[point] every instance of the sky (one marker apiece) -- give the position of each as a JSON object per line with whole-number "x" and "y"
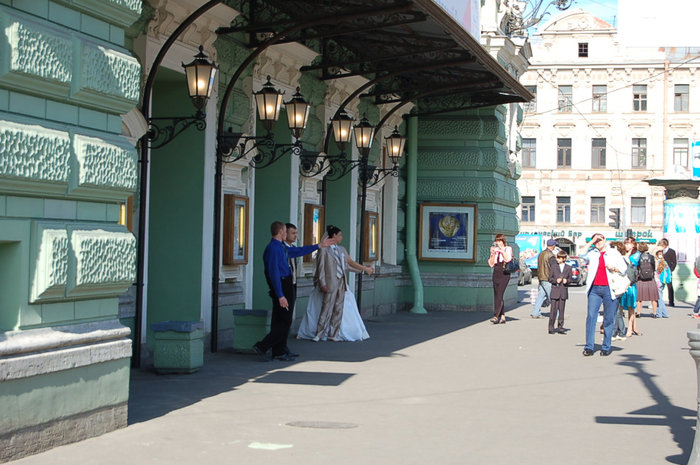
{"x": 603, "y": 9}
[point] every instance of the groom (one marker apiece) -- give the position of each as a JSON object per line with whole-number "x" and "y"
{"x": 330, "y": 278}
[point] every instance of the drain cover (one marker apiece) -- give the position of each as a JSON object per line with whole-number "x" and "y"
{"x": 322, "y": 424}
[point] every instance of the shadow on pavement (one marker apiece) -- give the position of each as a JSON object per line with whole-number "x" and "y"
{"x": 152, "y": 395}
{"x": 679, "y": 420}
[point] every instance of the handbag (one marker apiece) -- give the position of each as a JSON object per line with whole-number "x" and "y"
{"x": 618, "y": 283}
{"x": 511, "y": 266}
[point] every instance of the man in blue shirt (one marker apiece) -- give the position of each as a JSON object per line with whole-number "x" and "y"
{"x": 279, "y": 278}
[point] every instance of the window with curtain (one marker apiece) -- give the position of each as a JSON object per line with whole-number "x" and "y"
{"x": 563, "y": 209}
{"x": 680, "y": 152}
{"x": 529, "y": 153}
{"x": 597, "y": 210}
{"x": 639, "y": 153}
{"x": 563, "y": 153}
{"x": 565, "y": 94}
{"x": 598, "y": 153}
{"x": 600, "y": 99}
{"x": 639, "y": 210}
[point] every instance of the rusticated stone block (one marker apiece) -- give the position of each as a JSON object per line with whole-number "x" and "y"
{"x": 102, "y": 263}
{"x": 103, "y": 166}
{"x": 179, "y": 346}
{"x": 109, "y": 73}
{"x": 34, "y": 154}
{"x": 50, "y": 266}
{"x": 33, "y": 51}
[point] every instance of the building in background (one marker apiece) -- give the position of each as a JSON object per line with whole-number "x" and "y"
{"x": 605, "y": 118}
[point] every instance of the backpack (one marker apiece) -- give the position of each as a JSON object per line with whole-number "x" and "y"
{"x": 646, "y": 267}
{"x": 632, "y": 272}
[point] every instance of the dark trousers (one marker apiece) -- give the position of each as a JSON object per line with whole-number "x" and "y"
{"x": 669, "y": 286}
{"x": 558, "y": 306}
{"x": 500, "y": 283}
{"x": 281, "y": 321}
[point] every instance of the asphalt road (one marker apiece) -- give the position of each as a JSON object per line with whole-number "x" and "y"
{"x": 442, "y": 388}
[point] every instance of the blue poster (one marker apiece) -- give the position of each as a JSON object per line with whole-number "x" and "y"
{"x": 530, "y": 245}
{"x": 448, "y": 231}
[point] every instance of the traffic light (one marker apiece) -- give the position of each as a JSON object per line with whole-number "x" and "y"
{"x": 614, "y": 218}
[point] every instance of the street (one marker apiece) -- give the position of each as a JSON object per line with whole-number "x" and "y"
{"x": 444, "y": 388}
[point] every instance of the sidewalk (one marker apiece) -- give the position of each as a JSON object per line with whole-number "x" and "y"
{"x": 442, "y": 388}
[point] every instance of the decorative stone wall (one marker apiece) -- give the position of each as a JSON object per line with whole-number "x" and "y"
{"x": 65, "y": 79}
{"x": 462, "y": 159}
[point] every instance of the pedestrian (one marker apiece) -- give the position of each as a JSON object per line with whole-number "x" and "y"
{"x": 501, "y": 254}
{"x": 629, "y": 298}
{"x": 670, "y": 257}
{"x": 646, "y": 285}
{"x": 619, "y": 327}
{"x": 602, "y": 260}
{"x": 559, "y": 278}
{"x": 696, "y": 308}
{"x": 545, "y": 260}
{"x": 279, "y": 279}
{"x": 662, "y": 278}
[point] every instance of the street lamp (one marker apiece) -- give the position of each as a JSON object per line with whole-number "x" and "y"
{"x": 200, "y": 75}
{"x": 394, "y": 145}
{"x": 297, "y": 114}
{"x": 364, "y": 134}
{"x": 200, "y": 79}
{"x": 341, "y": 128}
{"x": 269, "y": 102}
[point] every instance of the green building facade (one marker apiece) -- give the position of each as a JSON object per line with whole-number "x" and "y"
{"x": 71, "y": 126}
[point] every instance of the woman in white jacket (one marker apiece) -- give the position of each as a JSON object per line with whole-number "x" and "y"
{"x": 602, "y": 260}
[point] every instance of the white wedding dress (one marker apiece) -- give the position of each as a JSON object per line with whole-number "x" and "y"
{"x": 352, "y": 328}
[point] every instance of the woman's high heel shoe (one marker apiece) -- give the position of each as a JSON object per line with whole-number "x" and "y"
{"x": 494, "y": 320}
{"x": 503, "y": 320}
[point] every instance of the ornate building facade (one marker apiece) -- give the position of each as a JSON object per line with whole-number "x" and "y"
{"x": 606, "y": 117}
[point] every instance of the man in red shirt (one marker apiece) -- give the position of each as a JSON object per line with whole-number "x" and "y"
{"x": 602, "y": 261}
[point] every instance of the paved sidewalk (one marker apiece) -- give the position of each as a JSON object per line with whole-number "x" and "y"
{"x": 442, "y": 388}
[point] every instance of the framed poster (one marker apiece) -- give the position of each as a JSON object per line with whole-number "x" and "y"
{"x": 371, "y": 245}
{"x": 447, "y": 232}
{"x": 235, "y": 240}
{"x": 314, "y": 221}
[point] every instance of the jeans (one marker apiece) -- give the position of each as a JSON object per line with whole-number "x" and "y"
{"x": 696, "y": 309}
{"x": 537, "y": 309}
{"x": 661, "y": 311}
{"x": 619, "y": 328}
{"x": 596, "y": 296}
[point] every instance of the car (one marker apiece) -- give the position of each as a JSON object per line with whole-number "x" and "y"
{"x": 579, "y": 271}
{"x": 525, "y": 276}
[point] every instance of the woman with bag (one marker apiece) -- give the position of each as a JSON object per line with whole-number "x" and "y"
{"x": 500, "y": 255}
{"x": 629, "y": 299}
{"x": 646, "y": 286}
{"x": 619, "y": 327}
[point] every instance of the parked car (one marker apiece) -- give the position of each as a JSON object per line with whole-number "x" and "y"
{"x": 525, "y": 276}
{"x": 579, "y": 271}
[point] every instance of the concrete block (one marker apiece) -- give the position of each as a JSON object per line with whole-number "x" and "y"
{"x": 27, "y": 105}
{"x": 35, "y": 7}
{"x": 61, "y": 112}
{"x": 116, "y": 35}
{"x": 249, "y": 326}
{"x": 91, "y": 211}
{"x": 27, "y": 207}
{"x": 60, "y": 209}
{"x": 94, "y": 27}
{"x": 4, "y": 100}
{"x": 114, "y": 124}
{"x": 179, "y": 346}
{"x": 92, "y": 119}
{"x": 58, "y": 312}
{"x": 62, "y": 15}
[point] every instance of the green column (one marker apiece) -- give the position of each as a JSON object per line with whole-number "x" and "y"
{"x": 411, "y": 207}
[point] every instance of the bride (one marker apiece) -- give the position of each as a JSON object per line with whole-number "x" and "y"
{"x": 352, "y": 328}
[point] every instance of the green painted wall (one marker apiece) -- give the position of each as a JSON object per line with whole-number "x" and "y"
{"x": 175, "y": 212}
{"x": 273, "y": 191}
{"x": 462, "y": 160}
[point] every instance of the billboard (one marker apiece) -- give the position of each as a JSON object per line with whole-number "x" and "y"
{"x": 695, "y": 162}
{"x": 466, "y": 13}
{"x": 530, "y": 245}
